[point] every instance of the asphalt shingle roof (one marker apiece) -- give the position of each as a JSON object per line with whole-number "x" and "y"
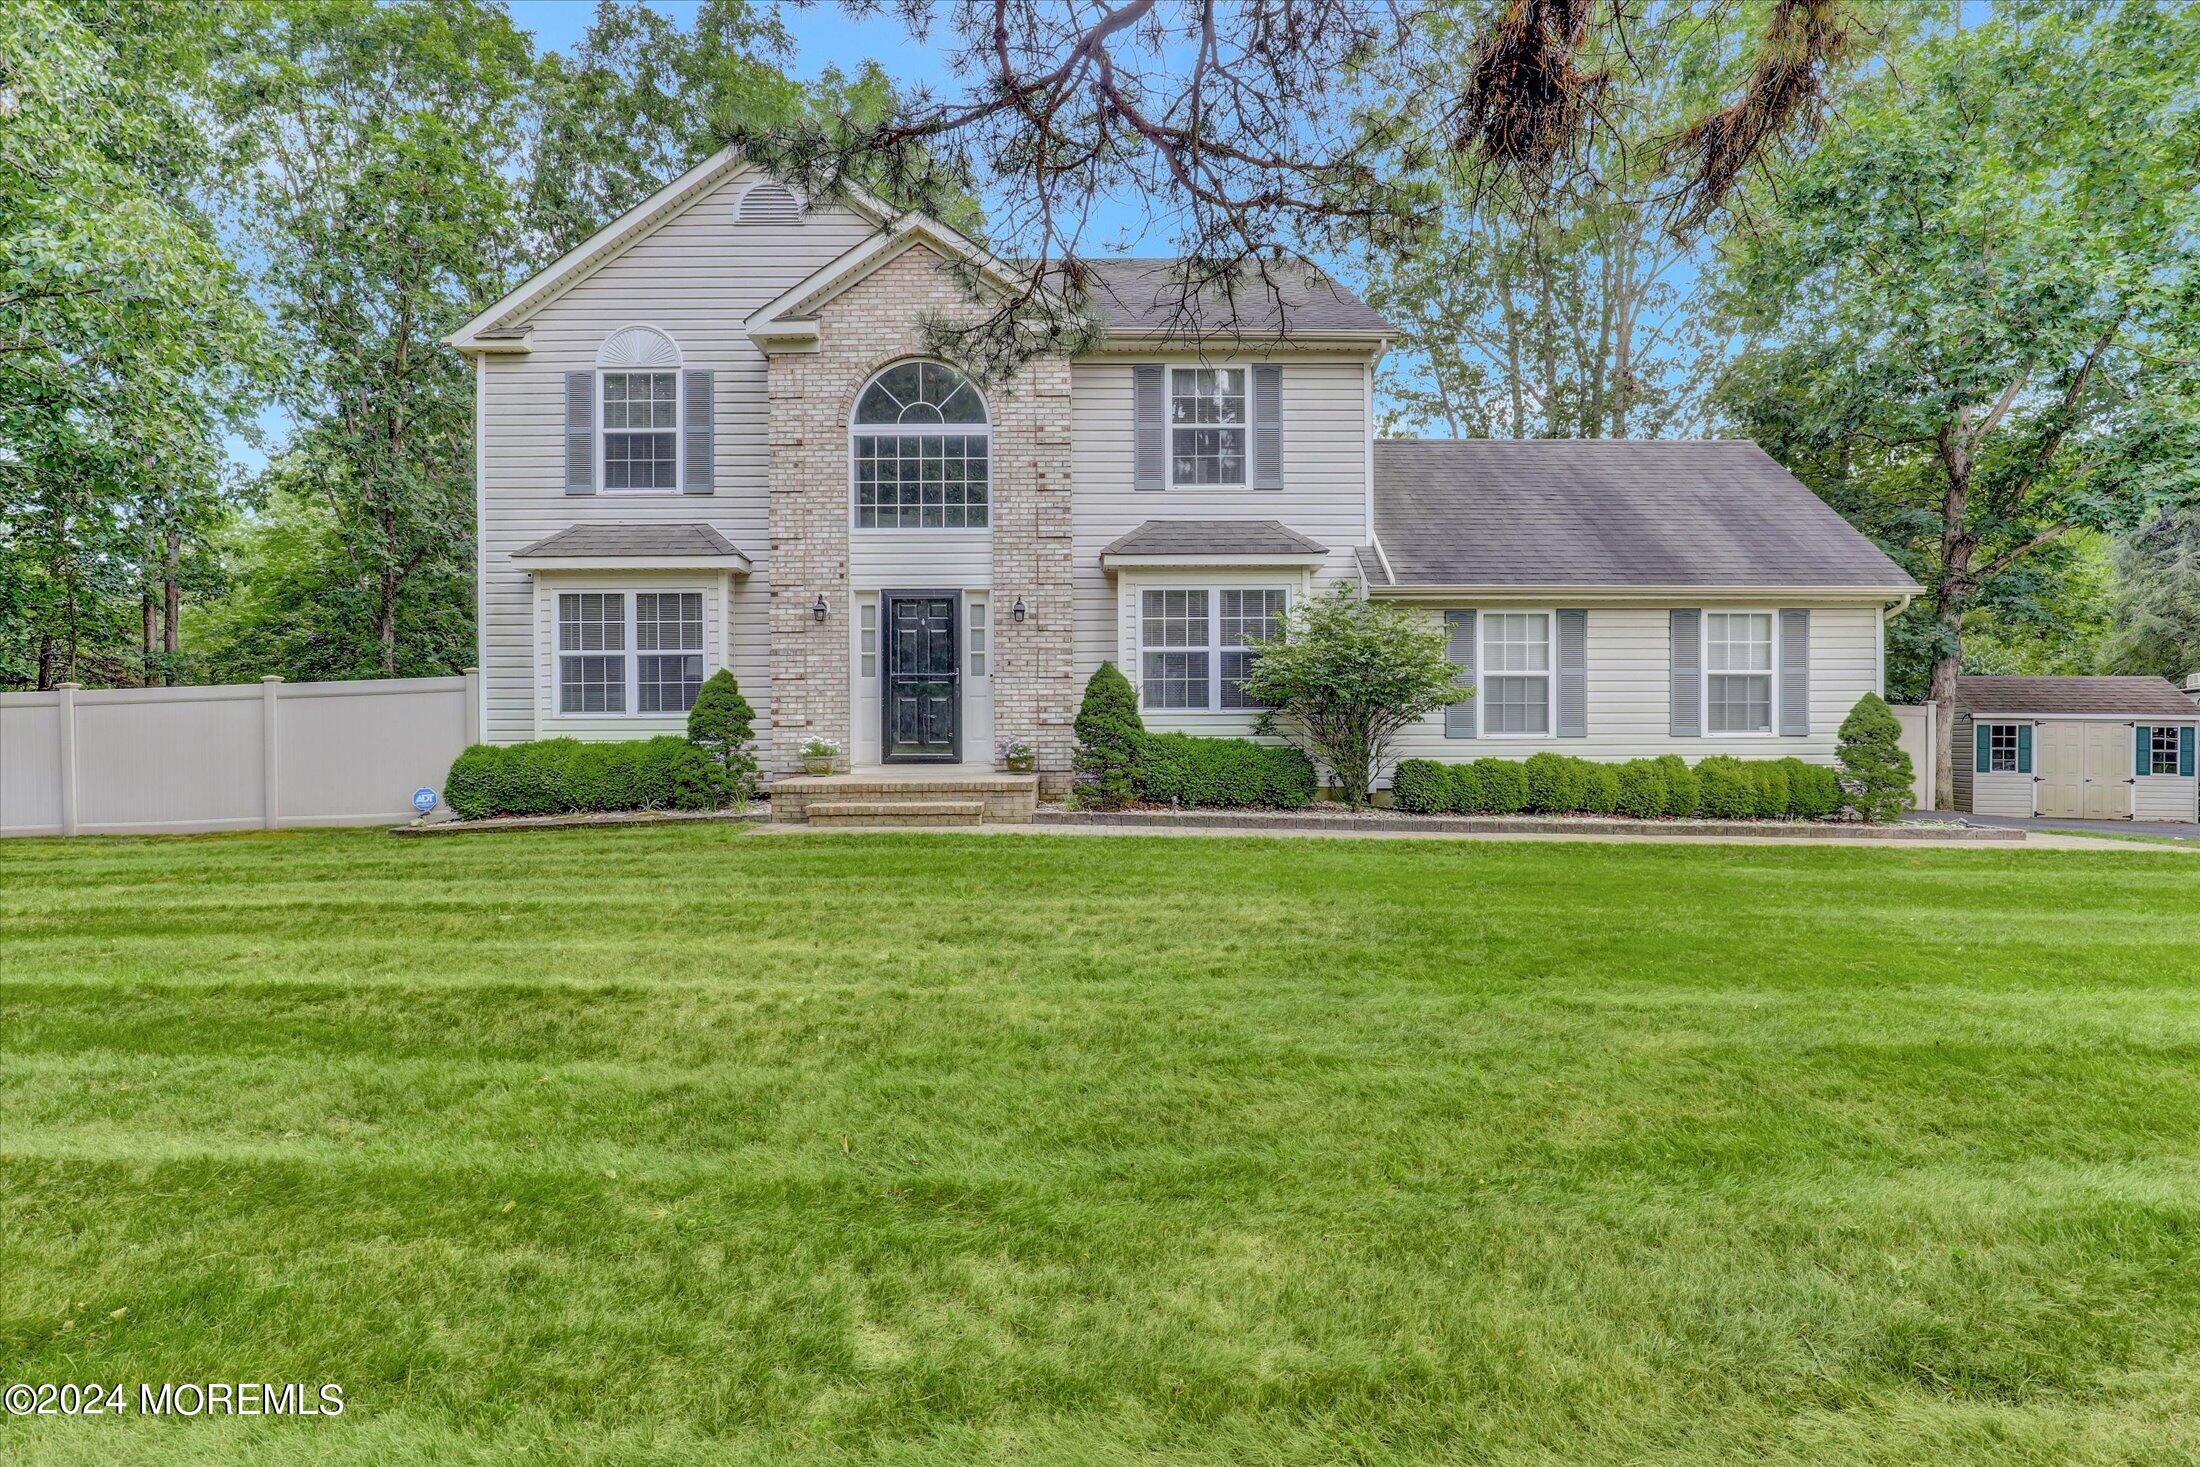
{"x": 628, "y": 541}
{"x": 1213, "y": 537}
{"x": 1591, "y": 512}
{"x": 2133, "y": 696}
{"x": 1146, "y": 296}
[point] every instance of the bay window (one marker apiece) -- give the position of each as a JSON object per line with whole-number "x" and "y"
{"x": 1197, "y": 645}
{"x": 621, "y": 652}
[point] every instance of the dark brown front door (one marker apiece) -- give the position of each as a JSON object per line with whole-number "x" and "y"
{"x": 922, "y": 706}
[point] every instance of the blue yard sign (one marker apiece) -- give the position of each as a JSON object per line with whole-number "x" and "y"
{"x": 423, "y": 800}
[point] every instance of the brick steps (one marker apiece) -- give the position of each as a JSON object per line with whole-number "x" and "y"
{"x": 893, "y": 798}
{"x": 897, "y": 812}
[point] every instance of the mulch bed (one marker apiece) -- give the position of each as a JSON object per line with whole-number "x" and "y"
{"x": 760, "y": 810}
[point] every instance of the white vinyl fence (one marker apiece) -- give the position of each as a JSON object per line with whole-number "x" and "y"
{"x": 1917, "y": 720}
{"x": 132, "y": 761}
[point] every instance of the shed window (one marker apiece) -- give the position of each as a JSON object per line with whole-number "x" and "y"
{"x": 2001, "y": 748}
{"x": 2162, "y": 750}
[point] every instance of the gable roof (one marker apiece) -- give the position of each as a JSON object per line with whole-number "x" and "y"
{"x": 2114, "y": 696}
{"x": 1135, "y": 298}
{"x": 1605, "y": 513}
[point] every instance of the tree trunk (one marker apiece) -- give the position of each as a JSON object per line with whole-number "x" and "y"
{"x": 171, "y": 606}
{"x": 385, "y": 623}
{"x": 148, "y": 653}
{"x": 46, "y": 678}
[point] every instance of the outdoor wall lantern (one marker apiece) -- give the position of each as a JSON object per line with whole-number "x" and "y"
{"x": 817, "y": 609}
{"x": 1017, "y": 610}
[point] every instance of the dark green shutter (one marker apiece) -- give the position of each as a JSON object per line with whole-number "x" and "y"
{"x": 2184, "y": 751}
{"x": 2142, "y": 749}
{"x": 2024, "y": 748}
{"x": 1982, "y": 744}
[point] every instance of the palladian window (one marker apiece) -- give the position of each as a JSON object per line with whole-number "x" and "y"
{"x": 922, "y": 451}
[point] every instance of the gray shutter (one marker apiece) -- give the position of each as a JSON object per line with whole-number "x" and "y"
{"x": 1687, "y": 663}
{"x": 1573, "y": 674}
{"x": 1149, "y": 426}
{"x": 1267, "y": 427}
{"x": 580, "y": 432}
{"x": 701, "y": 442}
{"x": 1794, "y": 672}
{"x": 1459, "y": 647}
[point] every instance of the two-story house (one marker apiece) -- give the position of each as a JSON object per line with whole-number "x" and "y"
{"x": 710, "y": 436}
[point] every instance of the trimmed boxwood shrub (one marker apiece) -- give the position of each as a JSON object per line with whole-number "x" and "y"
{"x": 567, "y": 776}
{"x": 1599, "y": 789}
{"x": 1729, "y": 790}
{"x": 1814, "y": 791}
{"x": 1643, "y": 792}
{"x": 1683, "y": 786}
{"x": 1555, "y": 783}
{"x": 1223, "y": 774}
{"x": 1465, "y": 790}
{"x": 1422, "y": 786}
{"x": 1504, "y": 786}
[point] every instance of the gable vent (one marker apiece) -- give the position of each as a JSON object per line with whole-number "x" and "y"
{"x": 769, "y": 203}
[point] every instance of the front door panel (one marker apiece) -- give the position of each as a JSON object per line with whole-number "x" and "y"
{"x": 922, "y": 698}
{"x": 2061, "y": 762}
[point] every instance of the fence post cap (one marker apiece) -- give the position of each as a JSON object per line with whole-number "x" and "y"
{"x": 271, "y": 678}
{"x": 471, "y": 671}
{"x": 68, "y": 687}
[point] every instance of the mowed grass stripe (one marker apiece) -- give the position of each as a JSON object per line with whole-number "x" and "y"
{"x": 690, "y": 1145}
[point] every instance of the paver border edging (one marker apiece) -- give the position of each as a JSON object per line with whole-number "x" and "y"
{"x": 580, "y": 822}
{"x": 1286, "y": 821}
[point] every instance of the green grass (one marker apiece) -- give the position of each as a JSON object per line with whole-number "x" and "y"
{"x": 691, "y": 1145}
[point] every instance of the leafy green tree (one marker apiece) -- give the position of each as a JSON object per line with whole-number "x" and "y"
{"x": 723, "y": 725}
{"x": 1979, "y": 312}
{"x": 1110, "y": 735}
{"x": 379, "y": 145}
{"x": 127, "y": 344}
{"x": 2154, "y": 590}
{"x": 1347, "y": 677}
{"x": 1876, "y": 775}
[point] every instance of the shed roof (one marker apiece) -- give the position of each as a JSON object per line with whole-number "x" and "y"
{"x": 2113, "y": 696}
{"x": 1196, "y": 538}
{"x": 1596, "y": 512}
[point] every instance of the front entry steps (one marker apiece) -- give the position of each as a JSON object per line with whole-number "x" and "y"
{"x": 826, "y": 814}
{"x": 905, "y": 796}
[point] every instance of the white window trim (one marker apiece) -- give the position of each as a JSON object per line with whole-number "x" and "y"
{"x": 1214, "y": 646}
{"x": 2154, "y": 734}
{"x": 679, "y": 433}
{"x": 977, "y": 648}
{"x": 923, "y": 430}
{"x": 631, "y": 655}
{"x": 1169, "y": 426}
{"x": 1704, "y": 672}
{"x": 1483, "y": 672}
{"x": 2016, "y": 748}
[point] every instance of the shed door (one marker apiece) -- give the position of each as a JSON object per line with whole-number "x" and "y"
{"x": 2108, "y": 771}
{"x": 2060, "y": 760}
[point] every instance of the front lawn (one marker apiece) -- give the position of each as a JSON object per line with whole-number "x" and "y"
{"x": 697, "y": 1145}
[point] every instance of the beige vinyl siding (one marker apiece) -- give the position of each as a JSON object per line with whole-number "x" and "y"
{"x": 1629, "y": 692}
{"x": 698, "y": 277}
{"x": 1982, "y": 793}
{"x": 920, "y": 560}
{"x": 2164, "y": 797}
{"x": 1326, "y": 444}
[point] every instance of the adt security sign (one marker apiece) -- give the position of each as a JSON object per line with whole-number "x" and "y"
{"x": 423, "y": 800}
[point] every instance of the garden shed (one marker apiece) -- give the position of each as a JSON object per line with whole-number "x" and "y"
{"x": 2088, "y": 748}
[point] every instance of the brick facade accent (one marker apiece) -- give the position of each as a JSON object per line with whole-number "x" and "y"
{"x": 874, "y": 323}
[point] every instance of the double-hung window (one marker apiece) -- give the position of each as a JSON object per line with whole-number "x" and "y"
{"x": 621, "y": 652}
{"x": 641, "y": 430}
{"x": 1249, "y": 618}
{"x": 2162, "y": 749}
{"x": 1207, "y": 426}
{"x": 1516, "y": 680}
{"x": 1737, "y": 660}
{"x": 2001, "y": 748}
{"x": 1197, "y": 645}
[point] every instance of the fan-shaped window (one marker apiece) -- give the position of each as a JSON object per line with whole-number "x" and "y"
{"x": 769, "y": 203}
{"x": 922, "y": 451}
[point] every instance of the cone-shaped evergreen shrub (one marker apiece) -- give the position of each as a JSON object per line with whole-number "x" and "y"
{"x": 1875, "y": 774}
{"x": 1109, "y": 733}
{"x": 723, "y": 726}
